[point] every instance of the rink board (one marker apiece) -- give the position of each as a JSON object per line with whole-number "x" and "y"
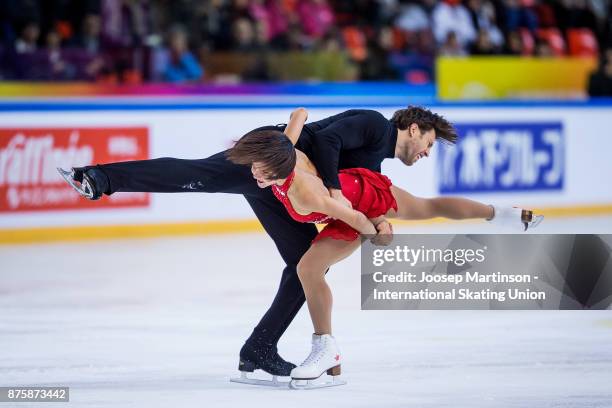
{"x": 548, "y": 156}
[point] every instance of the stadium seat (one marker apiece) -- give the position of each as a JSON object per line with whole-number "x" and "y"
{"x": 582, "y": 42}
{"x": 355, "y": 42}
{"x": 554, "y": 38}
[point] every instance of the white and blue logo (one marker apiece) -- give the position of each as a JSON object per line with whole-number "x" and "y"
{"x": 493, "y": 157}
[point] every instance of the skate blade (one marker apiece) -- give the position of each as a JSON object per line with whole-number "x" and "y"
{"x": 535, "y": 221}
{"x": 244, "y": 379}
{"x": 81, "y": 188}
{"x": 295, "y": 384}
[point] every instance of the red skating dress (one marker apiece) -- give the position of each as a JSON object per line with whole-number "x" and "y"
{"x": 368, "y": 191}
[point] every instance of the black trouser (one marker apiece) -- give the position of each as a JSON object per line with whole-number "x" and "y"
{"x": 216, "y": 174}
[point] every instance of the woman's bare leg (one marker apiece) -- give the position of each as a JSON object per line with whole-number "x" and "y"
{"x": 410, "y": 207}
{"x": 311, "y": 271}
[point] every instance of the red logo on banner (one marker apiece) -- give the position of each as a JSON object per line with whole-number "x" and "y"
{"x": 29, "y": 156}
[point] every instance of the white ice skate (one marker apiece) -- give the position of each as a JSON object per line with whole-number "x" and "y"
{"x": 324, "y": 357}
{"x": 515, "y": 218}
{"x": 84, "y": 188}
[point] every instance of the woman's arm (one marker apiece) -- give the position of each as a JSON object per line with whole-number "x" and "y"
{"x": 296, "y": 123}
{"x": 329, "y": 206}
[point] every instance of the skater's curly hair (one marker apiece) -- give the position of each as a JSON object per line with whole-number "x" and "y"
{"x": 426, "y": 120}
{"x": 272, "y": 148}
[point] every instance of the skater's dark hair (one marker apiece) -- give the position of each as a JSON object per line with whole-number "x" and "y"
{"x": 426, "y": 120}
{"x": 270, "y": 147}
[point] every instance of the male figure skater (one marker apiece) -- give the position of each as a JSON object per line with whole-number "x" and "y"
{"x": 354, "y": 138}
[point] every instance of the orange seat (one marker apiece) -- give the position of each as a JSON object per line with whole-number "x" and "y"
{"x": 582, "y": 42}
{"x": 355, "y": 42}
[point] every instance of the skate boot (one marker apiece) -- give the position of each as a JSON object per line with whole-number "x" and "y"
{"x": 90, "y": 183}
{"x": 263, "y": 357}
{"x": 324, "y": 357}
{"x": 515, "y": 218}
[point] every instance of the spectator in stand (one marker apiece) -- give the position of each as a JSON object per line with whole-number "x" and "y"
{"x": 484, "y": 19}
{"x": 316, "y": 16}
{"x": 483, "y": 44}
{"x": 514, "y": 44}
{"x": 377, "y": 65}
{"x": 543, "y": 49}
{"x": 450, "y": 16}
{"x": 414, "y": 16}
{"x": 24, "y": 60}
{"x": 89, "y": 38}
{"x": 331, "y": 42}
{"x": 243, "y": 32}
{"x": 182, "y": 65}
{"x": 452, "y": 47}
{"x": 126, "y": 22}
{"x": 600, "y": 81}
{"x": 87, "y": 46}
{"x": 59, "y": 68}
{"x": 520, "y": 13}
{"x": 27, "y": 42}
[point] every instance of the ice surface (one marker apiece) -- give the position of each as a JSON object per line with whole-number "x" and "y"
{"x": 159, "y": 322}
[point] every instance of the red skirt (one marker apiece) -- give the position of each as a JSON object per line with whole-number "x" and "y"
{"x": 369, "y": 192}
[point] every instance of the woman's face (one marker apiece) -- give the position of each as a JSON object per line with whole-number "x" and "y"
{"x": 263, "y": 177}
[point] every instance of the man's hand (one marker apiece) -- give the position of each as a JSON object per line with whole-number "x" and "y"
{"x": 338, "y": 196}
{"x": 385, "y": 233}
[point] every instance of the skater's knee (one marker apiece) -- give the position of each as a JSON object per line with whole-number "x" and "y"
{"x": 309, "y": 273}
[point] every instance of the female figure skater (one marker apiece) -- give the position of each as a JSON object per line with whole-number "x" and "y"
{"x": 294, "y": 180}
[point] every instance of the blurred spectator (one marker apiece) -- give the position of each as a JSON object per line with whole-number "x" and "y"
{"x": 243, "y": 32}
{"x": 182, "y": 65}
{"x": 514, "y": 44}
{"x": 27, "y": 41}
{"x": 451, "y": 16}
{"x": 484, "y": 19}
{"x": 316, "y": 16}
{"x": 483, "y": 44}
{"x": 414, "y": 16}
{"x": 126, "y": 22}
{"x": 89, "y": 37}
{"x": 59, "y": 67}
{"x": 377, "y": 65}
{"x": 543, "y": 49}
{"x": 519, "y": 13}
{"x": 600, "y": 81}
{"x": 452, "y": 47}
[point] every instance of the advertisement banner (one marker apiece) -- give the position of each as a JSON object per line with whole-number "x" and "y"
{"x": 512, "y": 77}
{"x": 29, "y": 157}
{"x": 497, "y": 157}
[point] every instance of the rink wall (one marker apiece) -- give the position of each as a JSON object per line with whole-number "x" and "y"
{"x": 551, "y": 156}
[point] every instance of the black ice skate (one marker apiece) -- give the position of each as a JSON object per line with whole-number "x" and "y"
{"x": 89, "y": 184}
{"x": 265, "y": 359}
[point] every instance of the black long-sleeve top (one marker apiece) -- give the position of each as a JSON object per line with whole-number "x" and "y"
{"x": 355, "y": 138}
